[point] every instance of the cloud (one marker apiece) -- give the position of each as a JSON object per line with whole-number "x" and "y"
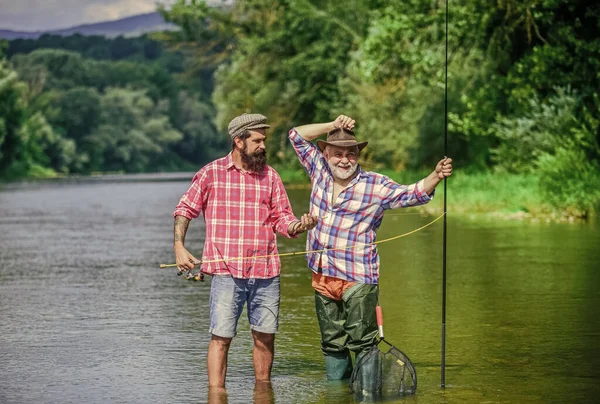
{"x": 102, "y": 11}
{"x": 39, "y": 15}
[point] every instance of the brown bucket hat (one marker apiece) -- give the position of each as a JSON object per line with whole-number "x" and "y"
{"x": 341, "y": 138}
{"x": 240, "y": 124}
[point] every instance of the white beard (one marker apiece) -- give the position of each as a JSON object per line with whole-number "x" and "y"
{"x": 342, "y": 174}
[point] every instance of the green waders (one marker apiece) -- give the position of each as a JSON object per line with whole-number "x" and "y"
{"x": 346, "y": 325}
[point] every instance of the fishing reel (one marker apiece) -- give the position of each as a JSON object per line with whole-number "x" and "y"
{"x": 189, "y": 276}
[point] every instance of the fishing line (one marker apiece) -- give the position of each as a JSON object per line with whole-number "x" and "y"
{"x": 313, "y": 251}
{"x": 404, "y": 214}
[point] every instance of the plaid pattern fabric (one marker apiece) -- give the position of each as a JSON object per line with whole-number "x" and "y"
{"x": 242, "y": 211}
{"x": 354, "y": 217}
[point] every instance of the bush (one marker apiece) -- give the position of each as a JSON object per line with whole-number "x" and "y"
{"x": 556, "y": 141}
{"x": 570, "y": 181}
{"x": 533, "y": 133}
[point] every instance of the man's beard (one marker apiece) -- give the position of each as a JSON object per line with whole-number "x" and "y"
{"x": 342, "y": 174}
{"x": 256, "y": 161}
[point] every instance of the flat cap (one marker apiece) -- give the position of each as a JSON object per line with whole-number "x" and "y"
{"x": 244, "y": 122}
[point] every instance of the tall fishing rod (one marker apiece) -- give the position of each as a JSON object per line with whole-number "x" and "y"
{"x": 443, "y": 363}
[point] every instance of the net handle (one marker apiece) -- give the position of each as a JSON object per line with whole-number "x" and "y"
{"x": 379, "y": 314}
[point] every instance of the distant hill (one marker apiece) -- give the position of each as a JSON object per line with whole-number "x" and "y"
{"x": 130, "y": 26}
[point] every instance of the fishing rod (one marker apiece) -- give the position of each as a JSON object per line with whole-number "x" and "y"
{"x": 187, "y": 274}
{"x": 443, "y": 363}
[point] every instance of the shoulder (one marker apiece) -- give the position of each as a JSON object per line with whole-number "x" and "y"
{"x": 219, "y": 164}
{"x": 215, "y": 165}
{"x": 272, "y": 173}
{"x": 380, "y": 182}
{"x": 222, "y": 162}
{"x": 373, "y": 177}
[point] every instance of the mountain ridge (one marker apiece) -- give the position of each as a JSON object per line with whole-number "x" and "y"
{"x": 129, "y": 26}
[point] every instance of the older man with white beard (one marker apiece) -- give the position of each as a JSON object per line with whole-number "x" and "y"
{"x": 350, "y": 203}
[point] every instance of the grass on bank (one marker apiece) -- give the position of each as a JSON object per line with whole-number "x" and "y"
{"x": 503, "y": 195}
{"x": 500, "y": 195}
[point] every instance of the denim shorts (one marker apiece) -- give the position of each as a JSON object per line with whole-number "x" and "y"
{"x": 228, "y": 296}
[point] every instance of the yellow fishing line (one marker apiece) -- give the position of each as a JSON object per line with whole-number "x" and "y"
{"x": 315, "y": 251}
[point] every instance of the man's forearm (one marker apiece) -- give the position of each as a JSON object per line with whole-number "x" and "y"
{"x": 179, "y": 230}
{"x": 430, "y": 182}
{"x": 313, "y": 131}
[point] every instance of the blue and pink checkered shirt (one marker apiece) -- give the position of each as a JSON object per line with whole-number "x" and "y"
{"x": 354, "y": 217}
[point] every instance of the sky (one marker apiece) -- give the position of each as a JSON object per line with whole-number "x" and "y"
{"x": 41, "y": 15}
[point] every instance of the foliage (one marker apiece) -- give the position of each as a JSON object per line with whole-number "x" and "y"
{"x": 546, "y": 127}
{"x": 194, "y": 119}
{"x": 140, "y": 48}
{"x": 23, "y": 135}
{"x": 569, "y": 181}
{"x": 522, "y": 88}
{"x": 121, "y": 107}
{"x": 132, "y": 132}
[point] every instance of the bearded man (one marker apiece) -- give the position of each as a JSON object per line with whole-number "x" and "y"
{"x": 350, "y": 203}
{"x": 243, "y": 203}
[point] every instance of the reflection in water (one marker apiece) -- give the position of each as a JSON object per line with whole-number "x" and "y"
{"x": 217, "y": 395}
{"x": 522, "y": 297}
{"x": 263, "y": 394}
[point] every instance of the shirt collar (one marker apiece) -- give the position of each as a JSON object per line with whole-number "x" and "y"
{"x": 359, "y": 173}
{"x": 229, "y": 161}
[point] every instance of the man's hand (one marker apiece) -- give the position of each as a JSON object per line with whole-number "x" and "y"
{"x": 443, "y": 169}
{"x": 343, "y": 121}
{"x": 305, "y": 223}
{"x": 185, "y": 261}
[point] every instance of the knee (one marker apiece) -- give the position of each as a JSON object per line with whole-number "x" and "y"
{"x": 220, "y": 342}
{"x": 263, "y": 339}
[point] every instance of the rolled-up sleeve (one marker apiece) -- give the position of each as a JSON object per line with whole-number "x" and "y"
{"x": 396, "y": 195}
{"x": 310, "y": 157}
{"x": 192, "y": 202}
{"x": 281, "y": 209}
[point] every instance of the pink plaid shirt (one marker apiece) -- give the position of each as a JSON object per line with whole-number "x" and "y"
{"x": 242, "y": 211}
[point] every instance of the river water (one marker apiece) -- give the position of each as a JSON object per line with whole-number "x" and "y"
{"x": 88, "y": 317}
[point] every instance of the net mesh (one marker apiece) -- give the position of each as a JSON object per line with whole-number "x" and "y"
{"x": 383, "y": 373}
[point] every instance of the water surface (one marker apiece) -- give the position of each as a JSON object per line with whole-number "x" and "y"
{"x": 87, "y": 316}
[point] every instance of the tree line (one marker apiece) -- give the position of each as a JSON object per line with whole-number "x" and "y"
{"x": 522, "y": 95}
{"x": 90, "y": 104}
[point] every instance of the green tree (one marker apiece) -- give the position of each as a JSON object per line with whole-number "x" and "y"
{"x": 53, "y": 68}
{"x": 140, "y": 48}
{"x": 201, "y": 142}
{"x": 280, "y": 58}
{"x": 132, "y": 135}
{"x": 80, "y": 109}
{"x": 24, "y": 136}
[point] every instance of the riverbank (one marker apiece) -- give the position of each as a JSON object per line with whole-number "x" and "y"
{"x": 478, "y": 195}
{"x": 505, "y": 196}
